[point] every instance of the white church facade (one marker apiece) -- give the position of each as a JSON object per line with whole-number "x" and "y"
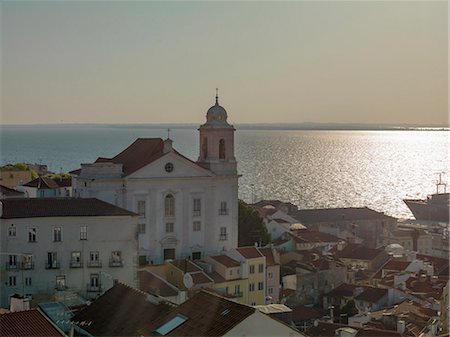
{"x": 186, "y": 208}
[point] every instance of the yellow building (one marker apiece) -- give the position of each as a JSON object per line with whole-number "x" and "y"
{"x": 254, "y": 270}
{"x": 227, "y": 277}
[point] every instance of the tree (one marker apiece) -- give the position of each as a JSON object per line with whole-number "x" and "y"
{"x": 251, "y": 227}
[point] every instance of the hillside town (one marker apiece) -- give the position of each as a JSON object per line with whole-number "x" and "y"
{"x": 147, "y": 243}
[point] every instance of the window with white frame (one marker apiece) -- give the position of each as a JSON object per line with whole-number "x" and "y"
{"x": 93, "y": 256}
{"x": 83, "y": 232}
{"x": 12, "y": 231}
{"x": 237, "y": 289}
{"x": 223, "y": 233}
{"x": 196, "y": 226}
{"x": 116, "y": 258}
{"x": 169, "y": 205}
{"x": 252, "y": 269}
{"x": 270, "y": 275}
{"x": 75, "y": 259}
{"x": 270, "y": 291}
{"x": 12, "y": 281}
{"x": 251, "y": 287}
{"x": 60, "y": 282}
{"x": 12, "y": 261}
{"x": 196, "y": 207}
{"x": 57, "y": 234}
{"x": 32, "y": 234}
{"x": 169, "y": 227}
{"x": 94, "y": 280}
{"x": 27, "y": 261}
{"x": 141, "y": 208}
{"x": 28, "y": 281}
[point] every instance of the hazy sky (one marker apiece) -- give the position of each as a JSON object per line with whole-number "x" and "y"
{"x": 160, "y": 62}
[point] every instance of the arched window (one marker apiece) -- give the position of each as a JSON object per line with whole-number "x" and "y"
{"x": 222, "y": 149}
{"x": 205, "y": 147}
{"x": 169, "y": 205}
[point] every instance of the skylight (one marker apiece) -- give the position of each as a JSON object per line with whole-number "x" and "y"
{"x": 171, "y": 325}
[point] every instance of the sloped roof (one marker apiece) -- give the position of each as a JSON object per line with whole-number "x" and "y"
{"x": 151, "y": 283}
{"x": 120, "y": 311}
{"x": 207, "y": 315}
{"x": 338, "y": 214}
{"x": 343, "y": 290}
{"x": 186, "y": 266}
{"x": 372, "y": 295}
{"x": 42, "y": 183}
{"x": 268, "y": 253}
{"x": 226, "y": 261}
{"x": 358, "y": 252}
{"x": 329, "y": 330}
{"x": 58, "y": 207}
{"x": 307, "y": 236}
{"x": 9, "y": 192}
{"x": 29, "y": 323}
{"x": 249, "y": 252}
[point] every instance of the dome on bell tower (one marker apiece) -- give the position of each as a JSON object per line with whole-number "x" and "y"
{"x": 216, "y": 114}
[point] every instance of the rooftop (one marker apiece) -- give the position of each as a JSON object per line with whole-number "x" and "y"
{"x": 249, "y": 252}
{"x": 372, "y": 295}
{"x": 268, "y": 253}
{"x": 119, "y": 312}
{"x": 338, "y": 214}
{"x": 307, "y": 236}
{"x": 204, "y": 314}
{"x": 29, "y": 323}
{"x": 154, "y": 284}
{"x": 42, "y": 183}
{"x": 358, "y": 252}
{"x": 9, "y": 192}
{"x": 226, "y": 261}
{"x": 59, "y": 207}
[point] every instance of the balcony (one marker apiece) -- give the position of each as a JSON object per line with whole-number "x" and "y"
{"x": 94, "y": 288}
{"x": 222, "y": 237}
{"x": 94, "y": 264}
{"x": 115, "y": 263}
{"x": 27, "y": 265}
{"x": 52, "y": 265}
{"x": 223, "y": 211}
{"x": 76, "y": 264}
{"x": 9, "y": 266}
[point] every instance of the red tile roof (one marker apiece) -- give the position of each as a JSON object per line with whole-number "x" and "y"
{"x": 42, "y": 183}
{"x": 396, "y": 265}
{"x": 249, "y": 252}
{"x": 30, "y": 323}
{"x": 372, "y": 295}
{"x": 358, "y": 252}
{"x": 302, "y": 313}
{"x": 58, "y": 207}
{"x": 306, "y": 236}
{"x": 338, "y": 214}
{"x": 185, "y": 265}
{"x": 9, "y": 192}
{"x": 201, "y": 278}
{"x": 268, "y": 253}
{"x": 343, "y": 290}
{"x": 121, "y": 311}
{"x": 151, "y": 283}
{"x": 207, "y": 315}
{"x": 226, "y": 261}
{"x": 329, "y": 330}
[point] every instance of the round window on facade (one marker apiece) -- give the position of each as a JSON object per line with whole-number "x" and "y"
{"x": 168, "y": 167}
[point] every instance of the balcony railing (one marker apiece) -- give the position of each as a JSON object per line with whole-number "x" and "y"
{"x": 19, "y": 266}
{"x": 222, "y": 237}
{"x": 223, "y": 211}
{"x": 76, "y": 264}
{"x": 238, "y": 294}
{"x": 94, "y": 288}
{"x": 94, "y": 264}
{"x": 52, "y": 265}
{"x": 115, "y": 263}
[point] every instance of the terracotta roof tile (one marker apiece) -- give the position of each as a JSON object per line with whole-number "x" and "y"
{"x": 372, "y": 295}
{"x": 226, "y": 261}
{"x": 306, "y": 236}
{"x": 9, "y": 192}
{"x": 396, "y": 265}
{"x": 201, "y": 278}
{"x": 186, "y": 265}
{"x": 338, "y": 214}
{"x": 359, "y": 252}
{"x": 151, "y": 283}
{"x": 42, "y": 183}
{"x": 30, "y": 323}
{"x": 119, "y": 312}
{"x": 56, "y": 207}
{"x": 249, "y": 252}
{"x": 268, "y": 253}
{"x": 207, "y": 315}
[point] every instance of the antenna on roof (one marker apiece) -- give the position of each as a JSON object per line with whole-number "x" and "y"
{"x": 168, "y": 133}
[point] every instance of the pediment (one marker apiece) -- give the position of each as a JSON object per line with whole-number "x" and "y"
{"x": 180, "y": 166}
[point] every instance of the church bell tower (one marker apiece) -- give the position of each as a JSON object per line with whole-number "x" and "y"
{"x": 217, "y": 142}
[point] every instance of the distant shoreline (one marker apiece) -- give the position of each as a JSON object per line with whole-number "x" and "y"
{"x": 249, "y": 126}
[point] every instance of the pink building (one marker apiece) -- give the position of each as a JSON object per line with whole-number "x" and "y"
{"x": 272, "y": 274}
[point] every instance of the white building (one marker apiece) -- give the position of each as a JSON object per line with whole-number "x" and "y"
{"x": 72, "y": 245}
{"x": 187, "y": 208}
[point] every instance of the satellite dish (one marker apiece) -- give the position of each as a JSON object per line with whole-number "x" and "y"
{"x": 188, "y": 281}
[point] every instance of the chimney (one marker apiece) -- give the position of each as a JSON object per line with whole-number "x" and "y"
{"x": 167, "y": 145}
{"x": 401, "y": 325}
{"x": 19, "y": 303}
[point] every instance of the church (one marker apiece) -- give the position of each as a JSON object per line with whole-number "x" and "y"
{"x": 187, "y": 209}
